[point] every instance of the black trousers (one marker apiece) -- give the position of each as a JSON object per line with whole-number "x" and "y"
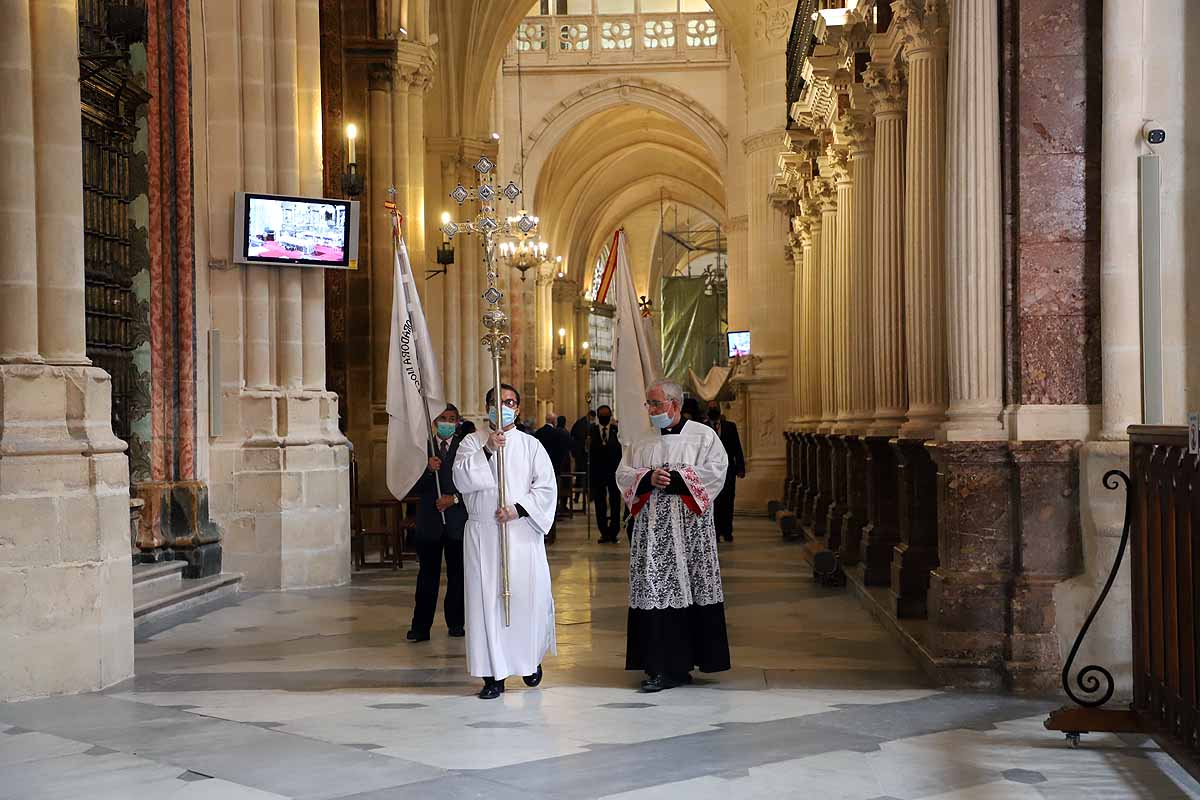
{"x": 723, "y": 509}
{"x": 429, "y": 579}
{"x": 607, "y": 499}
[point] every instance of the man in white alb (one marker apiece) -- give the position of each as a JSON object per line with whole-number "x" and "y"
{"x": 676, "y": 602}
{"x": 495, "y": 651}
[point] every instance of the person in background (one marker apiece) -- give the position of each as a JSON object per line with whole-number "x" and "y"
{"x": 558, "y": 446}
{"x": 579, "y": 436}
{"x": 691, "y": 410}
{"x": 441, "y": 517}
{"x": 728, "y": 433}
{"x": 604, "y": 451}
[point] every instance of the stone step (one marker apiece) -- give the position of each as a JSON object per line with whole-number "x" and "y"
{"x": 188, "y": 595}
{"x": 150, "y": 580}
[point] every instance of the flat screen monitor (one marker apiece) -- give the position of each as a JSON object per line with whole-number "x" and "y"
{"x": 295, "y": 231}
{"x": 739, "y": 343}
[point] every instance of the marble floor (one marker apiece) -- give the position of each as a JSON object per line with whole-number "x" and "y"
{"x": 316, "y": 694}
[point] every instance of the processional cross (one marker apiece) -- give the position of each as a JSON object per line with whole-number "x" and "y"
{"x": 491, "y": 228}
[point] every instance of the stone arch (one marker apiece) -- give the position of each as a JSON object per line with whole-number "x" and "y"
{"x": 617, "y": 91}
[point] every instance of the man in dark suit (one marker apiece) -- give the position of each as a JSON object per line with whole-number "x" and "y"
{"x": 605, "y": 454}
{"x": 579, "y": 437}
{"x": 441, "y": 517}
{"x": 557, "y": 443}
{"x": 723, "y": 506}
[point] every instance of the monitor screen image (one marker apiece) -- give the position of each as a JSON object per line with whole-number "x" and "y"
{"x": 739, "y": 343}
{"x": 296, "y": 230}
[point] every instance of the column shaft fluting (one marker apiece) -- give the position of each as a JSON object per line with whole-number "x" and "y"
{"x": 974, "y": 292}
{"x": 308, "y": 91}
{"x": 453, "y": 316}
{"x": 290, "y": 306}
{"x": 18, "y": 216}
{"x": 798, "y": 379}
{"x": 828, "y": 242}
{"x": 379, "y": 156}
{"x": 841, "y": 292}
{"x": 54, "y": 38}
{"x": 814, "y": 312}
{"x": 859, "y": 335}
{"x": 924, "y": 229}
{"x": 887, "y": 254}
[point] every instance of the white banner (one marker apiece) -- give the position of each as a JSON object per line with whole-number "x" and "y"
{"x": 635, "y": 358}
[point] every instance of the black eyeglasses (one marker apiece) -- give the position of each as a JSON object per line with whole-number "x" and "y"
{"x": 509, "y": 403}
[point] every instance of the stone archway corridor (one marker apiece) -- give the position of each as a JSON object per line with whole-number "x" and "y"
{"x": 315, "y": 694}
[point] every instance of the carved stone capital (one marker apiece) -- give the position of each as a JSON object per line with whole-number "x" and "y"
{"x": 823, "y": 193}
{"x": 888, "y": 86}
{"x": 859, "y": 133}
{"x": 838, "y": 164}
{"x": 380, "y": 78}
{"x": 923, "y": 26}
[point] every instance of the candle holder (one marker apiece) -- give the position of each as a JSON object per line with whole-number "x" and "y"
{"x": 353, "y": 183}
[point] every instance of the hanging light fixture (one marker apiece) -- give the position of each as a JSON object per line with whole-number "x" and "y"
{"x": 525, "y": 254}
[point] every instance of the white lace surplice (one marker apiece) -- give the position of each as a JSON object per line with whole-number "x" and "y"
{"x": 673, "y": 553}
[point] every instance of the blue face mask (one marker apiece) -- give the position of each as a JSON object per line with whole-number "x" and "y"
{"x": 509, "y": 415}
{"x": 445, "y": 430}
{"x": 660, "y": 421}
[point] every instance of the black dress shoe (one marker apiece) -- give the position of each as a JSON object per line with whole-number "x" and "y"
{"x": 413, "y": 636}
{"x": 492, "y": 689}
{"x": 535, "y": 678}
{"x": 659, "y": 682}
{"x": 457, "y": 633}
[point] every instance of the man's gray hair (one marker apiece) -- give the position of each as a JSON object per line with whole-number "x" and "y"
{"x": 670, "y": 389}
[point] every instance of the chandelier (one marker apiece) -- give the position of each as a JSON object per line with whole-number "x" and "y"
{"x": 525, "y": 254}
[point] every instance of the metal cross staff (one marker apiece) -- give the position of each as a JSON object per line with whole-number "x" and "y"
{"x": 491, "y": 228}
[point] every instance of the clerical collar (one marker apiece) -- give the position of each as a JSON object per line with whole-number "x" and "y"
{"x": 675, "y": 429}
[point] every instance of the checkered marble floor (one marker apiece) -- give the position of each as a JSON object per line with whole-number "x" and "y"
{"x": 317, "y": 694}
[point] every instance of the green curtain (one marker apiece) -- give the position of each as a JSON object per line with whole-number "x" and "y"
{"x": 691, "y": 328}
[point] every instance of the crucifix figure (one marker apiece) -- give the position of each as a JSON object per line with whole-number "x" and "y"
{"x": 491, "y": 229}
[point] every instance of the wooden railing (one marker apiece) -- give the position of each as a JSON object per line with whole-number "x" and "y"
{"x": 1162, "y": 523}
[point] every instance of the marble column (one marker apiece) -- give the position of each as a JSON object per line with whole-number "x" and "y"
{"x": 881, "y": 533}
{"x": 924, "y": 35}
{"x": 58, "y": 167}
{"x": 974, "y": 299}
{"x": 255, "y": 159}
{"x": 861, "y": 393}
{"x": 18, "y": 215}
{"x": 290, "y": 308}
{"x": 379, "y": 160}
{"x": 309, "y": 114}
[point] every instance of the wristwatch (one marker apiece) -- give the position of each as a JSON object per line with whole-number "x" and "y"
{"x": 456, "y": 500}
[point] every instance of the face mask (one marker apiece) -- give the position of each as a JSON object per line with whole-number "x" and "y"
{"x": 509, "y": 416}
{"x": 446, "y": 429}
{"x": 714, "y": 414}
{"x": 605, "y": 419}
{"x": 660, "y": 421}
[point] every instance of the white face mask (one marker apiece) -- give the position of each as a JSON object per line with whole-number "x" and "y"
{"x": 661, "y": 421}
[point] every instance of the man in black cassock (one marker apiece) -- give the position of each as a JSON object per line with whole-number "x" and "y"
{"x": 728, "y": 433}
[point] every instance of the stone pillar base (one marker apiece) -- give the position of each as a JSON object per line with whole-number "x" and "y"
{"x": 855, "y": 518}
{"x": 175, "y": 526}
{"x": 66, "y": 587}
{"x": 836, "y": 512}
{"x": 917, "y": 553}
{"x": 881, "y": 534}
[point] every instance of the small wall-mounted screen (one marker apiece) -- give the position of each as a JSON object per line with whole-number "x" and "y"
{"x": 297, "y": 231}
{"x": 739, "y": 343}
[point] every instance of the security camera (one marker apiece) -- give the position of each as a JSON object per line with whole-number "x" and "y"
{"x": 1154, "y": 133}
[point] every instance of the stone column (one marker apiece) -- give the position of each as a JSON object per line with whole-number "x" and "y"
{"x": 65, "y": 581}
{"x": 379, "y": 160}
{"x": 973, "y": 270}
{"x": 58, "y": 167}
{"x": 255, "y": 158}
{"x": 825, "y": 195}
{"x": 860, "y": 345}
{"x": 18, "y": 216}
{"x": 924, "y": 275}
{"x": 308, "y": 97}
{"x": 836, "y": 514}
{"x": 290, "y": 308}
{"x": 739, "y": 318}
{"x": 453, "y": 294}
{"x": 814, "y": 357}
{"x": 770, "y": 298}
{"x": 924, "y": 216}
{"x": 881, "y": 533}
